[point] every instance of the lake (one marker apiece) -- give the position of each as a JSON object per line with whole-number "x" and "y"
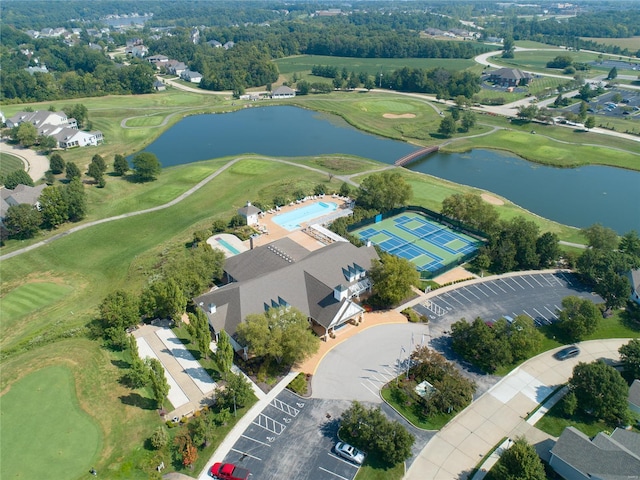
{"x": 578, "y": 196}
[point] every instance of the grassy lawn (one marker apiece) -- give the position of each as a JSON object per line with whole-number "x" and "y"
{"x": 555, "y": 421}
{"x": 415, "y": 417}
{"x": 27, "y": 300}
{"x": 372, "y": 66}
{"x": 68, "y": 440}
{"x": 547, "y": 151}
{"x": 537, "y": 60}
{"x": 373, "y": 469}
{"x": 630, "y": 42}
{"x": 9, "y": 163}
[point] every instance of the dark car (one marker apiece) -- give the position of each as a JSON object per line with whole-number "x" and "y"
{"x": 567, "y": 352}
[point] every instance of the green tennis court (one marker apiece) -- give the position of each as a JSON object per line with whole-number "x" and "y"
{"x": 426, "y": 243}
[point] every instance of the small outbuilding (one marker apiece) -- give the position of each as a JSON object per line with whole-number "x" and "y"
{"x": 250, "y": 213}
{"x": 283, "y": 92}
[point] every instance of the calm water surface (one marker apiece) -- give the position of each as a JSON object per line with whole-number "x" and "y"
{"x": 578, "y": 196}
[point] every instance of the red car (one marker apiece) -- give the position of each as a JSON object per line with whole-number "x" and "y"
{"x": 228, "y": 471}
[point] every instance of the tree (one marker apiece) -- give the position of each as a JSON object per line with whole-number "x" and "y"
{"x": 319, "y": 189}
{"x": 613, "y": 74}
{"x": 72, "y": 171}
{"x": 46, "y": 143}
{"x": 76, "y": 198}
{"x": 393, "y": 278}
{"x": 282, "y": 334}
{"x": 118, "y": 311}
{"x": 548, "y": 249}
{"x": 224, "y": 353}
{"x": 590, "y": 122}
{"x": 384, "y": 191}
{"x": 79, "y": 112}
{"x": 369, "y": 430}
{"x": 630, "y": 357}
{"x": 202, "y": 334}
{"x": 56, "y": 164}
{"x": 600, "y": 237}
{"x": 186, "y": 449}
{"x": 447, "y": 126}
{"x": 163, "y": 299}
{"x": 218, "y": 226}
{"x": 303, "y": 87}
{"x": 147, "y": 166}
{"x": 95, "y": 172}
{"x": 26, "y": 133}
{"x": 237, "y": 392}
{"x": 472, "y": 210}
{"x": 579, "y": 317}
{"x": 22, "y": 221}
{"x": 527, "y": 112}
{"x": 615, "y": 291}
{"x": 468, "y": 120}
{"x": 99, "y": 162}
{"x": 159, "y": 385}
{"x": 601, "y": 392}
{"x": 53, "y": 207}
{"x": 120, "y": 165}
{"x": 160, "y": 438}
{"x": 49, "y": 178}
{"x": 345, "y": 189}
{"x": 519, "y": 462}
{"x": 582, "y": 114}
{"x": 630, "y": 244}
{"x": 17, "y": 177}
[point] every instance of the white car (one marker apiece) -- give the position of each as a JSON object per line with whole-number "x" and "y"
{"x": 349, "y": 452}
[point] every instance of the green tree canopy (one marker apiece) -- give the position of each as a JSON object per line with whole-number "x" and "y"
{"x": 630, "y": 356}
{"x": 158, "y": 381}
{"x": 472, "y": 210}
{"x": 547, "y": 249}
{"x": 393, "y": 278}
{"x": 22, "y": 221}
{"x": 56, "y": 164}
{"x": 72, "y": 171}
{"x": 447, "y": 126}
{"x": 601, "y": 238}
{"x": 76, "y": 198}
{"x": 601, "y": 392}
{"x": 282, "y": 334}
{"x": 384, "y": 191}
{"x": 630, "y": 244}
{"x": 237, "y": 392}
{"x": 590, "y": 122}
{"x": 26, "y": 133}
{"x": 118, "y": 311}
{"x": 147, "y": 166}
{"x": 17, "y": 177}
{"x": 53, "y": 207}
{"x": 579, "y": 317}
{"x": 519, "y": 462}
{"x": 224, "y": 353}
{"x": 120, "y": 165}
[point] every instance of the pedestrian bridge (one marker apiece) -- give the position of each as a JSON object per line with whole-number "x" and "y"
{"x": 401, "y": 162}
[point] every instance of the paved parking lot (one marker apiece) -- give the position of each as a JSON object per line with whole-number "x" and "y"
{"x": 599, "y": 106}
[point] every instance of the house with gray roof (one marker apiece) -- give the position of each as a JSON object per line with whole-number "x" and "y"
{"x": 577, "y": 457}
{"x": 250, "y": 213}
{"x": 510, "y": 77}
{"x": 634, "y": 281}
{"x": 321, "y": 284}
{"x": 190, "y": 76}
{"x": 20, "y": 194}
{"x": 283, "y": 92}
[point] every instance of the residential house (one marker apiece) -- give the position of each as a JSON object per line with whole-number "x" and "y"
{"x": 39, "y": 118}
{"x": 214, "y": 43}
{"x": 57, "y": 125}
{"x": 634, "y": 281}
{"x": 634, "y": 397}
{"x": 37, "y": 69}
{"x": 138, "y": 51}
{"x": 159, "y": 86}
{"x": 20, "y": 194}
{"x": 283, "y": 92}
{"x": 228, "y": 45}
{"x": 195, "y": 35}
{"x": 510, "y": 77}
{"x": 189, "y": 76}
{"x": 174, "y": 67}
{"x": 250, "y": 213}
{"x": 157, "y": 59}
{"x": 321, "y": 284}
{"x": 577, "y": 457}
{"x": 70, "y": 138}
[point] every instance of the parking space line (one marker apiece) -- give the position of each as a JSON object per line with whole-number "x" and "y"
{"x": 257, "y": 441}
{"x": 245, "y": 454}
{"x": 333, "y": 473}
{"x": 526, "y": 281}
{"x": 552, "y": 313}
{"x": 546, "y": 278}
{"x": 462, "y": 295}
{"x": 533, "y": 277}
{"x": 503, "y": 281}
{"x": 498, "y": 286}
{"x": 370, "y": 391}
{"x": 516, "y": 282}
{"x": 444, "y": 301}
{"x": 450, "y": 295}
{"x": 342, "y": 460}
{"x": 481, "y": 291}
{"x": 284, "y": 407}
{"x": 276, "y": 427}
{"x": 557, "y": 308}
{"x": 540, "y": 314}
{"x": 563, "y": 276}
{"x": 487, "y": 285}
{"x": 528, "y": 315}
{"x": 384, "y": 378}
{"x": 469, "y": 291}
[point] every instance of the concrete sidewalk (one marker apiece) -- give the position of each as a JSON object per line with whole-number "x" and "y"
{"x": 502, "y": 413}
{"x": 243, "y": 424}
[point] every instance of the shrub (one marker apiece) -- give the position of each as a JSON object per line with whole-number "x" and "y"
{"x": 411, "y": 315}
{"x": 299, "y": 384}
{"x": 160, "y": 438}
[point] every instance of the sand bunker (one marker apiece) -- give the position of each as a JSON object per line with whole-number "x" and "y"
{"x": 404, "y": 115}
{"x": 491, "y": 199}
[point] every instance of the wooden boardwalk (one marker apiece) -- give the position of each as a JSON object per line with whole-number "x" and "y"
{"x": 401, "y": 162}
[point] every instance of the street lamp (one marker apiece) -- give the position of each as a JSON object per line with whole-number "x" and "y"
{"x": 380, "y": 80}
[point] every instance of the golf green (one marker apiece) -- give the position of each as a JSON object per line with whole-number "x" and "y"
{"x": 45, "y": 433}
{"x": 28, "y": 298}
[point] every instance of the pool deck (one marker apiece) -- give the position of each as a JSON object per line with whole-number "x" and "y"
{"x": 277, "y": 232}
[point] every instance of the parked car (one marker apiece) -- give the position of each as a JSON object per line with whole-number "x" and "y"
{"x": 349, "y": 452}
{"x": 567, "y": 352}
{"x": 228, "y": 471}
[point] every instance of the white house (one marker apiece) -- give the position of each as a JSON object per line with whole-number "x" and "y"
{"x": 189, "y": 76}
{"x": 38, "y": 118}
{"x": 57, "y": 125}
{"x": 634, "y": 280}
{"x": 283, "y": 92}
{"x": 250, "y": 213}
{"x": 69, "y": 138}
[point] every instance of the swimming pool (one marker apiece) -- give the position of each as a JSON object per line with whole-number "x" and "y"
{"x": 292, "y": 220}
{"x": 228, "y": 246}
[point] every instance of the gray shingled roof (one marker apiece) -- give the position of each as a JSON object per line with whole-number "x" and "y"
{"x": 604, "y": 456}
{"x": 635, "y": 280}
{"x": 20, "y": 194}
{"x": 634, "y": 393}
{"x": 249, "y": 210}
{"x": 510, "y": 74}
{"x": 306, "y": 284}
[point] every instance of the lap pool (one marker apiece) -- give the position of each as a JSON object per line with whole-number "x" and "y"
{"x": 292, "y": 220}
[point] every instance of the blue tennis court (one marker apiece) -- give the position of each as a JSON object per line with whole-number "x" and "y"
{"x": 426, "y": 243}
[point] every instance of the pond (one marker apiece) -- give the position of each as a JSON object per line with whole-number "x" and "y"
{"x": 579, "y": 196}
